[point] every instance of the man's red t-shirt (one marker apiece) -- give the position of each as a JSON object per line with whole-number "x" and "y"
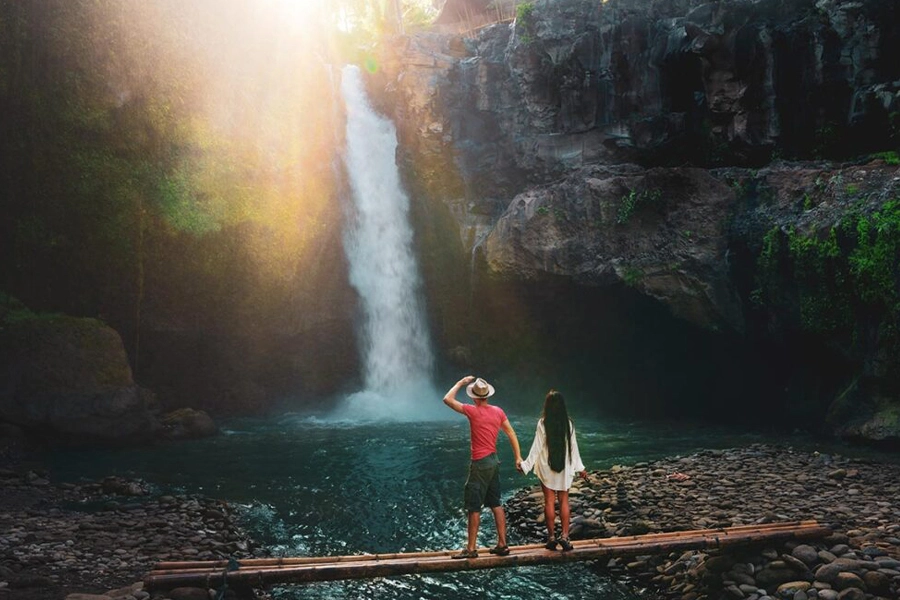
{"x": 484, "y": 422}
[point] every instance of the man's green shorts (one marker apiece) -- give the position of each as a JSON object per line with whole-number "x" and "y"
{"x": 483, "y": 484}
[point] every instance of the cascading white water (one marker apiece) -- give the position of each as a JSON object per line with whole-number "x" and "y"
{"x": 378, "y": 240}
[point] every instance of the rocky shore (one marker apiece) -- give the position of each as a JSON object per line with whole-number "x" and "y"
{"x": 97, "y": 540}
{"x": 858, "y": 500}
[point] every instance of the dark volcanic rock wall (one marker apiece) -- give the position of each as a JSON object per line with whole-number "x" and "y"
{"x": 575, "y": 82}
{"x": 572, "y": 150}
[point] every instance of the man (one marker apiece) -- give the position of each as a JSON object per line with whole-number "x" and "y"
{"x": 483, "y": 484}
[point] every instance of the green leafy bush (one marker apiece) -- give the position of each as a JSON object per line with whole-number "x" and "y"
{"x": 525, "y": 22}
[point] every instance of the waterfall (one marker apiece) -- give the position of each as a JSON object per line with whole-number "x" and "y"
{"x": 378, "y": 240}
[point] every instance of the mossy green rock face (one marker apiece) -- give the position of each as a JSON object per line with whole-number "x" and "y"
{"x": 864, "y": 416}
{"x": 68, "y": 379}
{"x": 882, "y": 426}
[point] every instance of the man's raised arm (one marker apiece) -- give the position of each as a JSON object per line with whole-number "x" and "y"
{"x": 450, "y": 397}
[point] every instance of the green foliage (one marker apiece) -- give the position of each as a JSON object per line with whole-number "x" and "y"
{"x": 843, "y": 283}
{"x": 524, "y": 12}
{"x": 418, "y": 15}
{"x": 12, "y": 311}
{"x": 826, "y": 140}
{"x": 767, "y": 270}
{"x": 181, "y": 205}
{"x": 633, "y": 200}
{"x": 819, "y": 268}
{"x": 525, "y": 22}
{"x": 890, "y": 158}
{"x": 547, "y": 209}
{"x": 631, "y": 276}
{"x": 875, "y": 260}
{"x": 740, "y": 187}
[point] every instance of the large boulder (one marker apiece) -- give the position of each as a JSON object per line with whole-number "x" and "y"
{"x": 661, "y": 231}
{"x": 68, "y": 379}
{"x": 188, "y": 423}
{"x": 860, "y": 414}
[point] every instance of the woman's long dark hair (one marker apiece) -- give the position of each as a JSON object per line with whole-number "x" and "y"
{"x": 558, "y": 429}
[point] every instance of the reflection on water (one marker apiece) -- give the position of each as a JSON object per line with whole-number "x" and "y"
{"x": 314, "y": 488}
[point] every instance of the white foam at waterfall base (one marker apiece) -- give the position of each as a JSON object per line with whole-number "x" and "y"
{"x": 417, "y": 401}
{"x": 378, "y": 240}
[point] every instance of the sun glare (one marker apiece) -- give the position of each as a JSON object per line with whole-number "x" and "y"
{"x": 298, "y": 13}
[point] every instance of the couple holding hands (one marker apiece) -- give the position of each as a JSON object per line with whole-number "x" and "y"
{"x": 554, "y": 457}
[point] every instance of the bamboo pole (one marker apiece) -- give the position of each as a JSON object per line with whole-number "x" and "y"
{"x": 366, "y": 569}
{"x": 366, "y": 566}
{"x": 302, "y": 560}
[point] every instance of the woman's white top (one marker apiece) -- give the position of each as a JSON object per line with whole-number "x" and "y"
{"x": 539, "y": 459}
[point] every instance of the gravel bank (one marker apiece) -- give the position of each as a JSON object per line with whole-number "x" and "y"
{"x": 101, "y": 538}
{"x": 858, "y": 500}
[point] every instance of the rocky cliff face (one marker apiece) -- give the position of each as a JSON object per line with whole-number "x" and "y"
{"x": 573, "y": 82}
{"x": 613, "y": 147}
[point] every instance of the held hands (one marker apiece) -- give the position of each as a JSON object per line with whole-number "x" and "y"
{"x": 519, "y": 466}
{"x": 583, "y": 474}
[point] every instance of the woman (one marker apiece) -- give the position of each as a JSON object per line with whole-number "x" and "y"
{"x": 555, "y": 459}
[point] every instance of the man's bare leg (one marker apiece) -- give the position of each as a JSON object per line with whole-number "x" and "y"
{"x": 500, "y": 519}
{"x": 473, "y": 523}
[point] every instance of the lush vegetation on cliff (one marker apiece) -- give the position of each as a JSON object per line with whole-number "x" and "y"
{"x": 165, "y": 165}
{"x": 840, "y": 282}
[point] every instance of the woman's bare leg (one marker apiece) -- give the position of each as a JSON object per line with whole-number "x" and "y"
{"x": 549, "y": 511}
{"x": 564, "y": 512}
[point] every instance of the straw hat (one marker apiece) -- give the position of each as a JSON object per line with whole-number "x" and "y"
{"x": 480, "y": 389}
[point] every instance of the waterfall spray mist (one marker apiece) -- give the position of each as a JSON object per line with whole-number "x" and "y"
{"x": 378, "y": 240}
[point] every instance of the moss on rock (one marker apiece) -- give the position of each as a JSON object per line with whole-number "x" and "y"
{"x": 68, "y": 379}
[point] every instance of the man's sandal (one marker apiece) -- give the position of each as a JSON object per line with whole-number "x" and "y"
{"x": 565, "y": 544}
{"x": 466, "y": 554}
{"x": 500, "y": 550}
{"x": 551, "y": 544}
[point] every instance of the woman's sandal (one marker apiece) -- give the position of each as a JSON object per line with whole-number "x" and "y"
{"x": 466, "y": 554}
{"x": 565, "y": 544}
{"x": 499, "y": 550}
{"x": 551, "y": 544}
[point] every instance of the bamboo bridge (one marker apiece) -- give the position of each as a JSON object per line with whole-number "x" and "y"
{"x": 263, "y": 572}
